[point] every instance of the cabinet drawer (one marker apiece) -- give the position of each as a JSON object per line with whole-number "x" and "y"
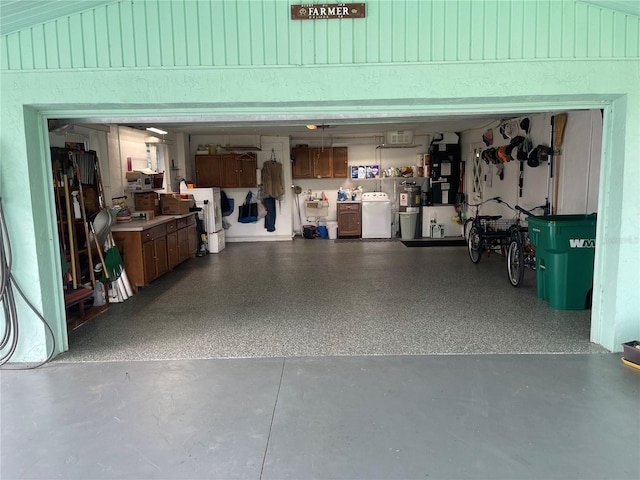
{"x": 182, "y": 222}
{"x": 346, "y": 207}
{"x": 171, "y": 226}
{"x": 155, "y": 232}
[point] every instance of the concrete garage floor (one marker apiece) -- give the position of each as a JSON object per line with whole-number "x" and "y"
{"x": 348, "y": 377}
{"x": 385, "y": 417}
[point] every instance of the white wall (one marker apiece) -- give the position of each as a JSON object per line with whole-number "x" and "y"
{"x": 96, "y": 139}
{"x": 579, "y": 166}
{"x": 361, "y": 151}
{"x": 242, "y": 232}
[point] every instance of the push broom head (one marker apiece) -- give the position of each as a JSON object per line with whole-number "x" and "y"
{"x": 559, "y": 124}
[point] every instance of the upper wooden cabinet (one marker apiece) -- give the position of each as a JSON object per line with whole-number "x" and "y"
{"x": 322, "y": 162}
{"x": 208, "y": 170}
{"x": 329, "y": 162}
{"x": 246, "y": 166}
{"x": 231, "y": 170}
{"x": 340, "y": 162}
{"x": 301, "y": 164}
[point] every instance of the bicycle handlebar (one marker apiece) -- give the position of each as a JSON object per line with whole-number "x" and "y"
{"x": 522, "y": 210}
{"x": 494, "y": 199}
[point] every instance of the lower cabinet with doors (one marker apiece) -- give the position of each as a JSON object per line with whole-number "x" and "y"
{"x": 349, "y": 224}
{"x": 152, "y": 248}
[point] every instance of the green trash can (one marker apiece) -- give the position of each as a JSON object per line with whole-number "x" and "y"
{"x": 565, "y": 250}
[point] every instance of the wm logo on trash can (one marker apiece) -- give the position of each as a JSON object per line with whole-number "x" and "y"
{"x": 582, "y": 242}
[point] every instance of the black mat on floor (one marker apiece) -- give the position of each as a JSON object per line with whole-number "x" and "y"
{"x": 350, "y": 240}
{"x": 435, "y": 242}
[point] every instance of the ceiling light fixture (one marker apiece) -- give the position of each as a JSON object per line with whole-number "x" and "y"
{"x": 156, "y": 130}
{"x": 312, "y": 127}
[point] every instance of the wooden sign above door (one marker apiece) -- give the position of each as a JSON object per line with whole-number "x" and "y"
{"x": 327, "y": 11}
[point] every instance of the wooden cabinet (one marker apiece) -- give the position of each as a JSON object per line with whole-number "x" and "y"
{"x": 193, "y": 239}
{"x": 154, "y": 257}
{"x": 340, "y": 162}
{"x": 301, "y": 164}
{"x": 246, "y": 165}
{"x": 322, "y": 162}
{"x": 349, "y": 224}
{"x": 173, "y": 256}
{"x": 329, "y": 162}
{"x": 232, "y": 170}
{"x": 187, "y": 237}
{"x": 153, "y": 251}
{"x": 208, "y": 170}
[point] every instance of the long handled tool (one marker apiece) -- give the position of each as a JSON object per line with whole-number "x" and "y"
{"x": 105, "y": 270}
{"x": 112, "y": 260}
{"x": 547, "y": 200}
{"x": 560, "y": 122}
{"x": 57, "y": 189}
{"x": 70, "y": 227}
{"x": 83, "y": 213}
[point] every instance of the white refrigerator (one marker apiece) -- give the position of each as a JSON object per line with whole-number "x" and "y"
{"x": 208, "y": 200}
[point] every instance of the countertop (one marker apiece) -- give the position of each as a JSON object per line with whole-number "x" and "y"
{"x": 139, "y": 225}
{"x": 349, "y": 201}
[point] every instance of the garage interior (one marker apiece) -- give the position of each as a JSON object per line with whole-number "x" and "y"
{"x": 360, "y": 298}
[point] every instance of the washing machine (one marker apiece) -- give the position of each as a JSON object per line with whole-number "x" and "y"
{"x": 376, "y": 215}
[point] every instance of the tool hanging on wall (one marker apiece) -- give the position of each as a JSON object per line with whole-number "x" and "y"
{"x": 548, "y": 200}
{"x": 560, "y": 122}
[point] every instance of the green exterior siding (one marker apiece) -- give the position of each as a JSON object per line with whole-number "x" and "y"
{"x": 220, "y": 33}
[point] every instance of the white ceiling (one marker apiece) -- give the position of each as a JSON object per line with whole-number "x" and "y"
{"x": 296, "y": 128}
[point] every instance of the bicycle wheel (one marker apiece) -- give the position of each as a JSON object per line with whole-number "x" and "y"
{"x": 515, "y": 262}
{"x": 475, "y": 244}
{"x": 468, "y": 223}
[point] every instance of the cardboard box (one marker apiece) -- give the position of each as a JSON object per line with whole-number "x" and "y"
{"x": 142, "y": 215}
{"x": 216, "y": 241}
{"x": 147, "y": 201}
{"x": 174, "y": 204}
{"x": 139, "y": 181}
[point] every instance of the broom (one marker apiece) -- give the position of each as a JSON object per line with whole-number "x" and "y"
{"x": 559, "y": 123}
{"x": 113, "y": 263}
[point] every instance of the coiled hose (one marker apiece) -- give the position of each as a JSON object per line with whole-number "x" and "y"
{"x": 7, "y": 300}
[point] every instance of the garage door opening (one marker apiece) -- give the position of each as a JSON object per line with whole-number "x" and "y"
{"x": 98, "y": 133}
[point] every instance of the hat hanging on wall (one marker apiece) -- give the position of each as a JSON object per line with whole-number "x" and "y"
{"x": 538, "y": 155}
{"x": 487, "y": 137}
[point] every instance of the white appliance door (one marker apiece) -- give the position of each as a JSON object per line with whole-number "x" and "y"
{"x": 216, "y": 211}
{"x": 376, "y": 219}
{"x": 204, "y": 199}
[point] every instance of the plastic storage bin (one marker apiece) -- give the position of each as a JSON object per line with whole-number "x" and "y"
{"x": 332, "y": 229}
{"x": 565, "y": 249}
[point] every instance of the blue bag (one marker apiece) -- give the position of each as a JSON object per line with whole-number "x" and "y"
{"x": 248, "y": 211}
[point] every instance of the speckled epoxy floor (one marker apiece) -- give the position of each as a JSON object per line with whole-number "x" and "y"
{"x": 326, "y": 298}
